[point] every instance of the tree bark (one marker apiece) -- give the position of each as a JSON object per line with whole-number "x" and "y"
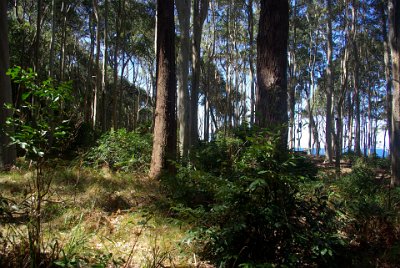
{"x": 394, "y": 39}
{"x": 250, "y": 18}
{"x": 356, "y": 77}
{"x": 386, "y": 54}
{"x": 330, "y": 88}
{"x": 272, "y": 40}
{"x": 183, "y": 7}
{"x": 164, "y": 143}
{"x": 97, "y": 66}
{"x": 292, "y": 80}
{"x": 38, "y": 33}
{"x": 200, "y": 8}
{"x": 89, "y": 80}
{"x": 104, "y": 78}
{"x": 7, "y": 152}
{"x": 52, "y": 41}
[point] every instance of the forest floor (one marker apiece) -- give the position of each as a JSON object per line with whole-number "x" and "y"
{"x": 103, "y": 218}
{"x": 97, "y": 217}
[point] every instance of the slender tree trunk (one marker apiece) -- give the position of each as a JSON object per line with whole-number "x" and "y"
{"x": 7, "y": 152}
{"x": 384, "y": 143}
{"x": 394, "y": 39}
{"x": 330, "y": 88}
{"x": 292, "y": 81}
{"x": 356, "y": 77}
{"x": 38, "y": 33}
{"x": 64, "y": 11}
{"x": 272, "y": 41}
{"x": 164, "y": 143}
{"x": 386, "y": 53}
{"x": 97, "y": 65}
{"x": 315, "y": 135}
{"x": 206, "y": 117}
{"x": 349, "y": 123}
{"x": 115, "y": 94}
{"x": 370, "y": 122}
{"x": 341, "y": 98}
{"x": 89, "y": 80}
{"x": 250, "y": 18}
{"x": 183, "y": 7}
{"x": 200, "y": 9}
{"x": 104, "y": 79}
{"x": 53, "y": 38}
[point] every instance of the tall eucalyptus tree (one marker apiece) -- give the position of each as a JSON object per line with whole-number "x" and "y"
{"x": 272, "y": 42}
{"x": 394, "y": 39}
{"x": 7, "y": 152}
{"x": 164, "y": 142}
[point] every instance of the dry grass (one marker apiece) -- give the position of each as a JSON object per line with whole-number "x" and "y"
{"x": 96, "y": 216}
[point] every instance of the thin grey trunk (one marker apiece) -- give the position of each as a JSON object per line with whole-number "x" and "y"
{"x": 386, "y": 54}
{"x": 53, "y": 38}
{"x": 38, "y": 33}
{"x": 97, "y": 65}
{"x": 200, "y": 9}
{"x": 330, "y": 88}
{"x": 89, "y": 79}
{"x": 183, "y": 7}
{"x": 292, "y": 81}
{"x": 104, "y": 79}
{"x": 250, "y": 18}
{"x": 394, "y": 39}
{"x": 356, "y": 77}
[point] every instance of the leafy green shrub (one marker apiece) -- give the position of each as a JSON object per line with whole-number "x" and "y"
{"x": 372, "y": 212}
{"x": 260, "y": 216}
{"x": 350, "y": 156}
{"x": 255, "y": 214}
{"x": 122, "y": 150}
{"x": 218, "y": 156}
{"x": 41, "y": 124}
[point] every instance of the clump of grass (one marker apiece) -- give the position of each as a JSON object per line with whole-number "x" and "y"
{"x": 95, "y": 217}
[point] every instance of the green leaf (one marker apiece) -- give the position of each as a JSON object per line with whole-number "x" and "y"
{"x": 26, "y": 95}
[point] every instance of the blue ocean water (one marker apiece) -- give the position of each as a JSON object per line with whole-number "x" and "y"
{"x": 379, "y": 152}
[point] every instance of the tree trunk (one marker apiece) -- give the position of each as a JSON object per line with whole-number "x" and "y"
{"x": 89, "y": 79}
{"x": 386, "y": 54}
{"x": 206, "y": 117}
{"x": 183, "y": 7}
{"x": 7, "y": 152}
{"x": 356, "y": 77}
{"x": 104, "y": 79}
{"x": 394, "y": 39}
{"x": 38, "y": 33}
{"x": 115, "y": 93}
{"x": 250, "y": 18}
{"x": 53, "y": 38}
{"x": 200, "y": 8}
{"x": 64, "y": 11}
{"x": 272, "y": 40}
{"x": 97, "y": 66}
{"x": 164, "y": 143}
{"x": 292, "y": 81}
{"x": 330, "y": 88}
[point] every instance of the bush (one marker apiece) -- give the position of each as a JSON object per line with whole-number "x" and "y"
{"x": 122, "y": 150}
{"x": 255, "y": 214}
{"x": 218, "y": 156}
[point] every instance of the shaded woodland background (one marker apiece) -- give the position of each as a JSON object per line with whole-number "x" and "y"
{"x": 183, "y": 118}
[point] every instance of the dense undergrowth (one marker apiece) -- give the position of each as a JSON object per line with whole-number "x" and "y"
{"x": 255, "y": 206}
{"x": 236, "y": 201}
